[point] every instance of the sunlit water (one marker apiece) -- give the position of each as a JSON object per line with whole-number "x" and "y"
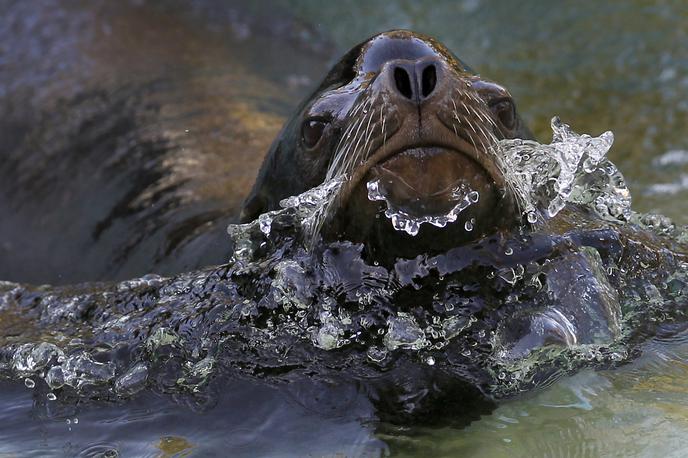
{"x": 636, "y": 86}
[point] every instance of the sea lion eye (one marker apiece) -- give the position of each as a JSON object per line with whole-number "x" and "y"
{"x": 505, "y": 111}
{"x": 311, "y": 131}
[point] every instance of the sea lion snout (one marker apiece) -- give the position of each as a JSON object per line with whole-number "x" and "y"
{"x": 413, "y": 81}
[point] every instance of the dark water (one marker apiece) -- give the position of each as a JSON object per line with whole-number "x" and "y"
{"x": 621, "y": 66}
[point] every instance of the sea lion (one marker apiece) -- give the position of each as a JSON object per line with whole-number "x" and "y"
{"x": 400, "y": 112}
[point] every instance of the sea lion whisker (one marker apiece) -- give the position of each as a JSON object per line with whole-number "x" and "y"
{"x": 485, "y": 133}
{"x": 344, "y": 161}
{"x": 463, "y": 105}
{"x": 471, "y": 136}
{"x": 341, "y": 155}
{"x": 477, "y": 114}
{"x": 346, "y": 132}
{"x": 369, "y": 132}
{"x": 334, "y": 164}
{"x": 358, "y": 107}
{"x": 382, "y": 121}
{"x": 352, "y": 154}
{"x": 349, "y": 156}
{"x": 470, "y": 124}
{"x": 384, "y": 130}
{"x": 482, "y": 144}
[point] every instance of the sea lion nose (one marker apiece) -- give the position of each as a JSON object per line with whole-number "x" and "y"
{"x": 413, "y": 80}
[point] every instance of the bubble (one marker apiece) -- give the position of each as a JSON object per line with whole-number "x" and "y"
{"x": 509, "y": 251}
{"x": 404, "y": 332}
{"x": 29, "y": 383}
{"x": 265, "y": 223}
{"x": 468, "y": 225}
{"x": 51, "y": 396}
{"x": 376, "y": 354}
{"x": 430, "y": 361}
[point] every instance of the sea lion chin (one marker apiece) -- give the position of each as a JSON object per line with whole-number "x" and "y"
{"x": 413, "y": 130}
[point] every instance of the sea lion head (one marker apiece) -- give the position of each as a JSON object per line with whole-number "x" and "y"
{"x": 413, "y": 129}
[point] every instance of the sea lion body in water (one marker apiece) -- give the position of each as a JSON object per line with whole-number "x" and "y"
{"x": 132, "y": 131}
{"x": 400, "y": 109}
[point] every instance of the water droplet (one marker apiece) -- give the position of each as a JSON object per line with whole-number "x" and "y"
{"x": 51, "y": 396}
{"x": 265, "y": 223}
{"x": 29, "y": 383}
{"x": 376, "y": 354}
{"x": 531, "y": 217}
{"x": 430, "y": 361}
{"x": 469, "y": 225}
{"x": 509, "y": 251}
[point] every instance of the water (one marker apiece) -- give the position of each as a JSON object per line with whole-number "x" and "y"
{"x": 628, "y": 76}
{"x": 502, "y": 314}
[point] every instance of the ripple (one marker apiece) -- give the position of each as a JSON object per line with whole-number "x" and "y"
{"x": 100, "y": 450}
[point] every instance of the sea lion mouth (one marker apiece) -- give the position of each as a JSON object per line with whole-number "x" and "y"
{"x": 421, "y": 173}
{"x": 427, "y": 181}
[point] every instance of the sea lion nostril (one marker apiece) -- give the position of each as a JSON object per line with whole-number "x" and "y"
{"x": 428, "y": 80}
{"x": 402, "y": 80}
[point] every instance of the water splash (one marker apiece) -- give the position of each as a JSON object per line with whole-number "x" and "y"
{"x": 307, "y": 211}
{"x": 505, "y": 313}
{"x": 572, "y": 169}
{"x": 404, "y": 221}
